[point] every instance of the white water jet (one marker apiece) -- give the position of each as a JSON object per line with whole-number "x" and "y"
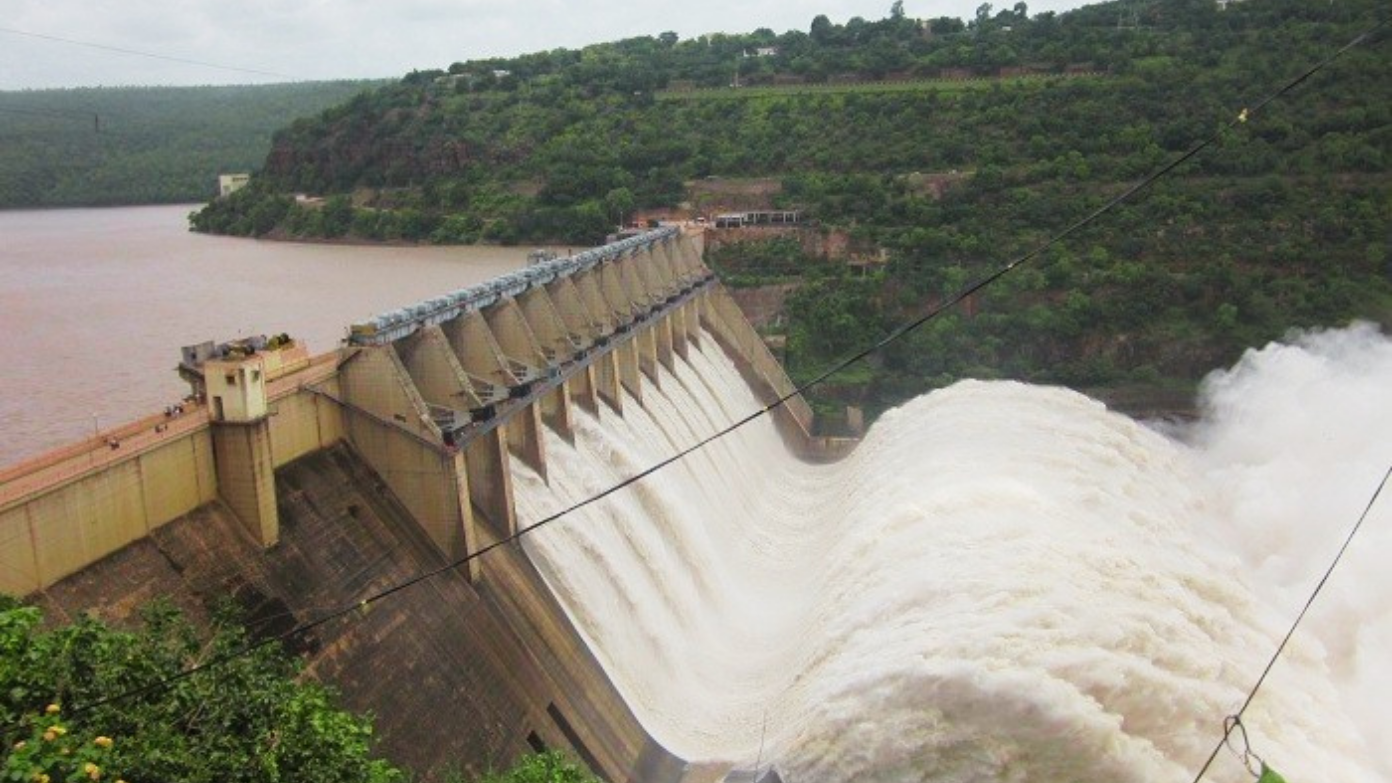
{"x": 1003, "y": 582}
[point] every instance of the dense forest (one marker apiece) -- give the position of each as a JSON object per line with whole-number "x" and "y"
{"x": 952, "y": 145}
{"x": 143, "y": 145}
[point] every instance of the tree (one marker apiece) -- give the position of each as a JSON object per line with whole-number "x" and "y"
{"x": 550, "y": 767}
{"x": 248, "y": 720}
{"x": 983, "y": 15}
{"x": 617, "y": 203}
{"x": 944, "y": 25}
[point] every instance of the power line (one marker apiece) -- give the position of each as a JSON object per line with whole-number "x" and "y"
{"x": 1242, "y": 117}
{"x": 1235, "y": 720}
{"x": 150, "y": 55}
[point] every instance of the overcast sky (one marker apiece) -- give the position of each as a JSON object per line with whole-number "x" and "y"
{"x": 328, "y": 39}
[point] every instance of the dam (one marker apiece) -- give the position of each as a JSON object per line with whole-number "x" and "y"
{"x": 1002, "y": 582}
{"x": 295, "y": 482}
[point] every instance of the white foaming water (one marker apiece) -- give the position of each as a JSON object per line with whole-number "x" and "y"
{"x": 1003, "y": 582}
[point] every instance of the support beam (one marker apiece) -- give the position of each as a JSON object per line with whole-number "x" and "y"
{"x": 389, "y": 424}
{"x": 592, "y": 301}
{"x": 479, "y": 354}
{"x": 525, "y": 439}
{"x": 515, "y": 336}
{"x": 608, "y": 383}
{"x": 557, "y": 341}
{"x": 490, "y": 482}
{"x": 691, "y": 318}
{"x": 582, "y": 389}
{"x": 374, "y": 380}
{"x": 467, "y": 540}
{"x": 621, "y": 305}
{"x": 436, "y": 371}
{"x": 646, "y": 340}
{"x": 676, "y": 321}
{"x": 665, "y": 266}
{"x": 690, "y": 251}
{"x": 531, "y": 324}
{"x": 246, "y": 477}
{"x": 643, "y": 264}
{"x": 662, "y": 333}
{"x": 629, "y": 375}
{"x": 633, "y": 287}
{"x": 557, "y": 413}
{"x": 583, "y": 323}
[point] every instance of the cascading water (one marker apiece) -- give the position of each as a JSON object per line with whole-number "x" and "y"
{"x": 1003, "y": 582}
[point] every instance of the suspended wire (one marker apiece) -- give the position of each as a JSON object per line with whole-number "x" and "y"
{"x": 1234, "y": 721}
{"x": 361, "y": 606}
{"x": 150, "y": 55}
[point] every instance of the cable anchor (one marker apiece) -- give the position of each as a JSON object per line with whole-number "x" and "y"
{"x": 1253, "y": 763}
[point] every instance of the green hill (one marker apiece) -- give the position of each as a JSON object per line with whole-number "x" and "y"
{"x": 142, "y": 145}
{"x": 953, "y": 146}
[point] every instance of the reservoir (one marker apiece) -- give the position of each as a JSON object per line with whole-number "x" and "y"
{"x": 95, "y": 304}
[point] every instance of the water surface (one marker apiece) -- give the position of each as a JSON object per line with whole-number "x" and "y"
{"x": 95, "y": 303}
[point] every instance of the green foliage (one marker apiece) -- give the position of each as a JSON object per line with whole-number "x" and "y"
{"x": 753, "y": 263}
{"x": 574, "y": 139}
{"x": 250, "y": 720}
{"x": 138, "y": 145}
{"x": 1283, "y": 224}
{"x": 550, "y": 767}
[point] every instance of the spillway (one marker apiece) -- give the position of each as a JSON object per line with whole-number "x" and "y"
{"x": 1002, "y": 583}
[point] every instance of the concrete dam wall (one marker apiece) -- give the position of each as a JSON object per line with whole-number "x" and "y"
{"x": 301, "y": 484}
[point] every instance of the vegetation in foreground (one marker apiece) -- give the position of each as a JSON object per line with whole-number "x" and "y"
{"x": 253, "y": 719}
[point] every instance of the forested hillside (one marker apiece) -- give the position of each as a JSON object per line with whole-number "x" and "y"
{"x": 143, "y": 145}
{"x": 953, "y": 145}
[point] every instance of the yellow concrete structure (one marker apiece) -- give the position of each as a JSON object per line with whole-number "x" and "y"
{"x": 436, "y": 401}
{"x": 67, "y": 509}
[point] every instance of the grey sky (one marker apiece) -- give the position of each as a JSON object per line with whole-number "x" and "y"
{"x": 326, "y": 39}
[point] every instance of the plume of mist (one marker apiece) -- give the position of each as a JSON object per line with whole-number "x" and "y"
{"x": 1003, "y": 582}
{"x": 1293, "y": 441}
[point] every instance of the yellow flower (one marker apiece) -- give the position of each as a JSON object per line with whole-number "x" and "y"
{"x": 102, "y": 742}
{"x": 51, "y": 709}
{"x": 50, "y": 735}
{"x": 92, "y": 770}
{"x": 20, "y": 745}
{"x": 59, "y": 730}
